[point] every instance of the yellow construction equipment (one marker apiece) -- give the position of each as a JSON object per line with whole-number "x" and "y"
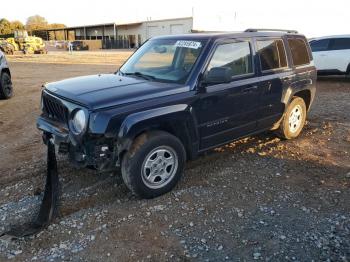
{"x": 27, "y": 44}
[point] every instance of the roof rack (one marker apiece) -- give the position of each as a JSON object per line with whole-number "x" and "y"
{"x": 273, "y": 30}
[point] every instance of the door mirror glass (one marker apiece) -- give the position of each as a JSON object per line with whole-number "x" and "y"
{"x": 218, "y": 75}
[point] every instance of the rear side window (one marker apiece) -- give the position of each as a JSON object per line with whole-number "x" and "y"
{"x": 272, "y": 54}
{"x": 299, "y": 51}
{"x": 340, "y": 44}
{"x": 319, "y": 45}
{"x": 235, "y": 55}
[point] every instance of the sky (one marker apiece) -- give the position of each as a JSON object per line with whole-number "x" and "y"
{"x": 310, "y": 17}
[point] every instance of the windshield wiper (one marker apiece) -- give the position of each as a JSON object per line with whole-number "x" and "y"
{"x": 139, "y": 74}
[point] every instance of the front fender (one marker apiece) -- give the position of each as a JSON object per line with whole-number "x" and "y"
{"x": 179, "y": 118}
{"x": 129, "y": 126}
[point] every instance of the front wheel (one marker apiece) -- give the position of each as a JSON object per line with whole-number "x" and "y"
{"x": 154, "y": 164}
{"x": 6, "y": 90}
{"x": 293, "y": 120}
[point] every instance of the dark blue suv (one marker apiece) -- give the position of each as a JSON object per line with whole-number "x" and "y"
{"x": 179, "y": 96}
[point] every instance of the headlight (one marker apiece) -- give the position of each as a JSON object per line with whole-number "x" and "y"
{"x": 79, "y": 121}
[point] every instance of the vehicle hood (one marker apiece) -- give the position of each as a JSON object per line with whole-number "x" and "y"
{"x": 108, "y": 90}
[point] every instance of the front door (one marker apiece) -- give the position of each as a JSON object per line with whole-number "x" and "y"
{"x": 229, "y": 110}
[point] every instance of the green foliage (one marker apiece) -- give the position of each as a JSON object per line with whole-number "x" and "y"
{"x": 16, "y": 25}
{"x": 7, "y": 27}
{"x": 36, "y": 22}
{"x": 56, "y": 26}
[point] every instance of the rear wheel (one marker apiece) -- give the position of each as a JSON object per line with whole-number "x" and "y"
{"x": 154, "y": 164}
{"x": 294, "y": 119}
{"x": 6, "y": 90}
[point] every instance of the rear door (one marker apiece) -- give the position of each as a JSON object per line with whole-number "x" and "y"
{"x": 339, "y": 56}
{"x": 274, "y": 75}
{"x": 301, "y": 58}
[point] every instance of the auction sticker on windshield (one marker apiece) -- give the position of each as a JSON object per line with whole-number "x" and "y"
{"x": 188, "y": 44}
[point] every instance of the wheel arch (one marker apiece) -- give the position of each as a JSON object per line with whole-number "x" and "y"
{"x": 306, "y": 96}
{"x": 5, "y": 70}
{"x": 348, "y": 69}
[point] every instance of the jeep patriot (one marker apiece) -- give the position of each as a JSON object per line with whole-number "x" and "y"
{"x": 176, "y": 97}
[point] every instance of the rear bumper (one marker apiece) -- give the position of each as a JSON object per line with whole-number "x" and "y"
{"x": 92, "y": 151}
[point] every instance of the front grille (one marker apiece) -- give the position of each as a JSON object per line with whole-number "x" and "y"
{"x": 54, "y": 109}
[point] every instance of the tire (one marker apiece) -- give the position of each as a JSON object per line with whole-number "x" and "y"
{"x": 293, "y": 120}
{"x": 6, "y": 90}
{"x": 143, "y": 156}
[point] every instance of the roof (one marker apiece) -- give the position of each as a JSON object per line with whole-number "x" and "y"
{"x": 76, "y": 27}
{"x": 330, "y": 36}
{"x": 155, "y": 21}
{"x": 208, "y": 35}
{"x": 115, "y": 24}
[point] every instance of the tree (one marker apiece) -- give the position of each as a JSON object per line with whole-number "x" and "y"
{"x": 57, "y": 26}
{"x": 36, "y": 22}
{"x": 5, "y": 26}
{"x": 16, "y": 25}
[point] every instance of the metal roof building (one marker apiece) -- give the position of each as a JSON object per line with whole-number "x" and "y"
{"x": 127, "y": 35}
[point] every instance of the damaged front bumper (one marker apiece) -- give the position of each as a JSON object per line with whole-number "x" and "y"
{"x": 93, "y": 151}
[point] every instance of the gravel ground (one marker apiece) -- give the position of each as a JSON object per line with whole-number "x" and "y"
{"x": 259, "y": 198}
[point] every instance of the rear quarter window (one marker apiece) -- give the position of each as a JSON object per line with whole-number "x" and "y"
{"x": 272, "y": 54}
{"x": 300, "y": 54}
{"x": 340, "y": 44}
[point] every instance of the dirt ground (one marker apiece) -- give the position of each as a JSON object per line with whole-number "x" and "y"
{"x": 76, "y": 57}
{"x": 259, "y": 198}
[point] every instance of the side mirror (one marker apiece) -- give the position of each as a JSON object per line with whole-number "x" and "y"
{"x": 218, "y": 75}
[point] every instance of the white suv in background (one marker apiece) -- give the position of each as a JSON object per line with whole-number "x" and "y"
{"x": 331, "y": 54}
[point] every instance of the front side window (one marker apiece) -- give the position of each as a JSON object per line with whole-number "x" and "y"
{"x": 236, "y": 56}
{"x": 340, "y": 44}
{"x": 164, "y": 60}
{"x": 272, "y": 54}
{"x": 319, "y": 45}
{"x": 298, "y": 48}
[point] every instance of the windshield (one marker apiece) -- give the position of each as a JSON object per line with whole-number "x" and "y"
{"x": 164, "y": 60}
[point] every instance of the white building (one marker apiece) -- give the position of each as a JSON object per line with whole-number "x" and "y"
{"x": 137, "y": 33}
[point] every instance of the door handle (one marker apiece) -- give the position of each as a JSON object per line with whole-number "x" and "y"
{"x": 250, "y": 89}
{"x": 287, "y": 78}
